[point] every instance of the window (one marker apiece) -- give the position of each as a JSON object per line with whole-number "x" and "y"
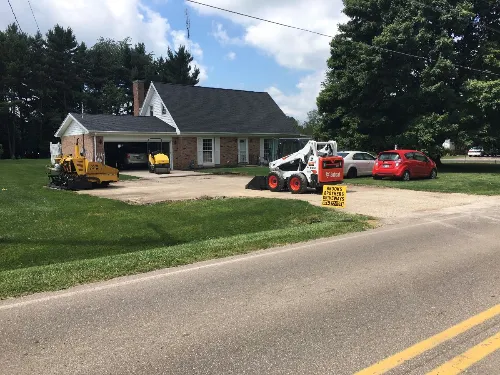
{"x": 163, "y": 110}
{"x": 267, "y": 149}
{"x": 358, "y": 157}
{"x": 208, "y": 151}
{"x": 421, "y": 157}
{"x": 343, "y": 154}
{"x": 384, "y": 156}
{"x": 368, "y": 157}
{"x": 409, "y": 156}
{"x": 151, "y": 112}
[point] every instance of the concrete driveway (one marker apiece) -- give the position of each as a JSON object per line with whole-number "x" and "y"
{"x": 391, "y": 205}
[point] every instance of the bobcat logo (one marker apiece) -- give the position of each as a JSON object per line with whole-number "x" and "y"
{"x": 332, "y": 174}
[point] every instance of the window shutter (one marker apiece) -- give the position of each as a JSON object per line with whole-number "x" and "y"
{"x": 217, "y": 151}
{"x": 200, "y": 151}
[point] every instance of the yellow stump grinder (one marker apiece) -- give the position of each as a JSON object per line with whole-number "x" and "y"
{"x": 76, "y": 172}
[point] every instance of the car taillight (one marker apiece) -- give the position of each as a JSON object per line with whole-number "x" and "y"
{"x": 397, "y": 164}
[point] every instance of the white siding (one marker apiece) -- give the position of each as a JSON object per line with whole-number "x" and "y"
{"x": 75, "y": 128}
{"x": 157, "y": 103}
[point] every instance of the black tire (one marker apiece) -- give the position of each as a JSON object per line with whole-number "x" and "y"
{"x": 150, "y": 168}
{"x": 275, "y": 182}
{"x": 297, "y": 183}
{"x": 352, "y": 173}
{"x": 406, "y": 176}
{"x": 433, "y": 174}
{"x": 377, "y": 177}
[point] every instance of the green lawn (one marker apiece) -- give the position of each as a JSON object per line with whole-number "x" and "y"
{"x": 469, "y": 178}
{"x": 454, "y": 177}
{"x": 51, "y": 239}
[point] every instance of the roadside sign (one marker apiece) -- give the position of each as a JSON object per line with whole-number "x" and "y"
{"x": 334, "y": 196}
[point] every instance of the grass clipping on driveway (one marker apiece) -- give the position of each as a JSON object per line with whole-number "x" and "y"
{"x": 52, "y": 240}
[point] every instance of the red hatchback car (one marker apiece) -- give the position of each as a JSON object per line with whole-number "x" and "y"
{"x": 404, "y": 164}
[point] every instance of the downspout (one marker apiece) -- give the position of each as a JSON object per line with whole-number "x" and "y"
{"x": 95, "y": 149}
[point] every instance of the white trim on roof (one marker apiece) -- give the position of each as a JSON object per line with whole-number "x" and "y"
{"x": 153, "y": 96}
{"x": 66, "y": 123}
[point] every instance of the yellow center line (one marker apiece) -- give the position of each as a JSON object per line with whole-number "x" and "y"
{"x": 425, "y": 345}
{"x": 465, "y": 360}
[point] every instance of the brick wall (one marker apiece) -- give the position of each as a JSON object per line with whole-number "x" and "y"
{"x": 138, "y": 91}
{"x": 68, "y": 145}
{"x": 185, "y": 151}
{"x": 228, "y": 151}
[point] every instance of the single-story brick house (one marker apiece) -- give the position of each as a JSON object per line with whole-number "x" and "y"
{"x": 199, "y": 126}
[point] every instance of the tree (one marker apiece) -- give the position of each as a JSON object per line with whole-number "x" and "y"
{"x": 176, "y": 68}
{"x": 373, "y": 98}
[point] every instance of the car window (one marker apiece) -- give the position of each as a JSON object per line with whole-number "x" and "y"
{"x": 410, "y": 156}
{"x": 389, "y": 156}
{"x": 358, "y": 157}
{"x": 343, "y": 154}
{"x": 420, "y": 157}
{"x": 368, "y": 156}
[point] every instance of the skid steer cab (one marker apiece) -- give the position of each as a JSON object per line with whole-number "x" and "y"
{"x": 312, "y": 167}
{"x": 158, "y": 162}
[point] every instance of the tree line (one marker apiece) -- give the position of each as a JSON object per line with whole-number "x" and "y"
{"x": 442, "y": 80}
{"x": 44, "y": 77}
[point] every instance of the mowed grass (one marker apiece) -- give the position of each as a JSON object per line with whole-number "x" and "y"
{"x": 51, "y": 239}
{"x": 478, "y": 179}
{"x": 453, "y": 177}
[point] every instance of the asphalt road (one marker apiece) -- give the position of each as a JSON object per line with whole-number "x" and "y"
{"x": 333, "y": 306}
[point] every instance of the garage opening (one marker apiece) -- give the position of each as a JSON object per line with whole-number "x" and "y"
{"x": 131, "y": 155}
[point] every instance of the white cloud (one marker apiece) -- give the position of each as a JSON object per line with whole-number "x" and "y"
{"x": 91, "y": 19}
{"x": 298, "y": 104}
{"x": 220, "y": 34}
{"x": 292, "y": 49}
{"x": 231, "y": 56}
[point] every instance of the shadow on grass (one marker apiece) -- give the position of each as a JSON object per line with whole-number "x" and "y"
{"x": 469, "y": 168}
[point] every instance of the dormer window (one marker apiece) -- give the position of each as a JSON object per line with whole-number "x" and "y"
{"x": 151, "y": 110}
{"x": 163, "y": 110}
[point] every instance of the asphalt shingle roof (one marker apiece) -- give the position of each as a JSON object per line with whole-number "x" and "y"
{"x": 203, "y": 109}
{"x": 125, "y": 123}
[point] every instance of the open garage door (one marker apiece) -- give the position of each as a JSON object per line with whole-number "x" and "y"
{"x": 129, "y": 155}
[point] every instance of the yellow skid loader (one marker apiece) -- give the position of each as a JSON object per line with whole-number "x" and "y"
{"x": 76, "y": 172}
{"x": 158, "y": 162}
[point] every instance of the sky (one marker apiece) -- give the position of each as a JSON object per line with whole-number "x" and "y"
{"x": 231, "y": 51}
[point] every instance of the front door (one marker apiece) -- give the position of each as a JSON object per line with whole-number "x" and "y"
{"x": 243, "y": 150}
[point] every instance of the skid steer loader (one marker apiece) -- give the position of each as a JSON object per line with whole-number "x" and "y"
{"x": 76, "y": 172}
{"x": 310, "y": 167}
{"x": 158, "y": 162}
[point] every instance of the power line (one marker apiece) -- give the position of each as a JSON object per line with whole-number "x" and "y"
{"x": 14, "y": 13}
{"x": 257, "y": 18}
{"x": 330, "y": 36}
{"x": 29, "y": 2}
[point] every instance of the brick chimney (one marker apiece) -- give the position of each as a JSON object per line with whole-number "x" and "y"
{"x": 138, "y": 92}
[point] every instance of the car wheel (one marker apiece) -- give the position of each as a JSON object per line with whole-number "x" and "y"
{"x": 406, "y": 176}
{"x": 352, "y": 173}
{"x": 434, "y": 174}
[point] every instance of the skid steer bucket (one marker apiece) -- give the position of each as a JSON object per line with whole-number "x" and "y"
{"x": 257, "y": 183}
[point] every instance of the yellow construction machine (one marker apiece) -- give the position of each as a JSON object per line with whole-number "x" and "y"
{"x": 158, "y": 162}
{"x": 76, "y": 172}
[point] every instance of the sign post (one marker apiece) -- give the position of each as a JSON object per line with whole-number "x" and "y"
{"x": 334, "y": 196}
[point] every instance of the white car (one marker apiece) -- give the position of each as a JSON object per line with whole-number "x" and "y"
{"x": 357, "y": 163}
{"x": 476, "y": 151}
